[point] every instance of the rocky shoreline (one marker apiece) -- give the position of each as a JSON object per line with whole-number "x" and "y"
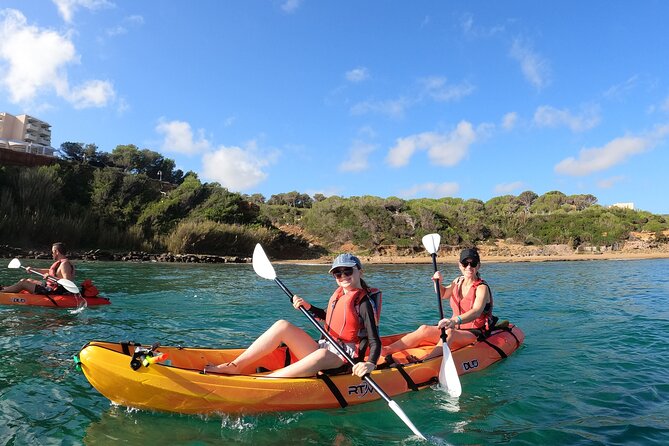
{"x": 132, "y": 256}
{"x": 500, "y": 252}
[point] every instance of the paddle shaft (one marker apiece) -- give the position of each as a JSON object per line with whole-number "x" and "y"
{"x": 437, "y": 288}
{"x": 42, "y": 275}
{"x": 55, "y": 279}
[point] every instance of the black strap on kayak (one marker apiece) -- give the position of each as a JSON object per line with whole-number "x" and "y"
{"x": 390, "y": 361}
{"x": 125, "y": 345}
{"x": 412, "y": 385}
{"x": 497, "y": 349}
{"x": 514, "y": 336}
{"x": 333, "y": 388}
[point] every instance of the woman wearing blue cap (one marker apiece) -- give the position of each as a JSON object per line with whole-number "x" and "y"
{"x": 471, "y": 301}
{"x": 351, "y": 319}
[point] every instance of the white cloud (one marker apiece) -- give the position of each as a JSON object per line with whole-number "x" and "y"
{"x": 665, "y": 105}
{"x": 358, "y": 157}
{"x": 36, "y": 60}
{"x": 534, "y": 67}
{"x": 67, "y": 8}
{"x": 439, "y": 90}
{"x": 392, "y": 108}
{"x": 357, "y": 75}
{"x": 615, "y": 152}
{"x": 619, "y": 90}
{"x": 434, "y": 88}
{"x": 547, "y": 116}
{"x": 290, "y": 6}
{"x": 507, "y": 188}
{"x": 509, "y": 120}
{"x": 92, "y": 94}
{"x": 20, "y": 45}
{"x": 443, "y": 149}
{"x": 179, "y": 138}
{"x": 133, "y": 20}
{"x": 474, "y": 31}
{"x": 608, "y": 183}
{"x": 433, "y": 190}
{"x": 235, "y": 168}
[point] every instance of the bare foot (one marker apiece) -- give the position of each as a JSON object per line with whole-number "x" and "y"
{"x": 227, "y": 368}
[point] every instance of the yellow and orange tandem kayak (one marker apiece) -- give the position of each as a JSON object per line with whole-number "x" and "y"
{"x": 170, "y": 378}
{"x": 51, "y": 300}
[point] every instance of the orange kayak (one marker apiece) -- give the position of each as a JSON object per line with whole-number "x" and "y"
{"x": 52, "y": 300}
{"x": 170, "y": 379}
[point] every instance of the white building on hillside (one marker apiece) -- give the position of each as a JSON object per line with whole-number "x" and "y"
{"x": 623, "y": 205}
{"x": 24, "y": 133}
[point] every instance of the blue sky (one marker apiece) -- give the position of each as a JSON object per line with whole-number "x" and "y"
{"x": 468, "y": 99}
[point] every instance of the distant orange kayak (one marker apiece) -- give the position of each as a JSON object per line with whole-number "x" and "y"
{"x": 174, "y": 382}
{"x": 52, "y": 300}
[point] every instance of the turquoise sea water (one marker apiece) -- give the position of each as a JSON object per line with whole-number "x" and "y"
{"x": 592, "y": 371}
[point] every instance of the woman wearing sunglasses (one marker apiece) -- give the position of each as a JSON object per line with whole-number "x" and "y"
{"x": 351, "y": 319}
{"x": 471, "y": 302}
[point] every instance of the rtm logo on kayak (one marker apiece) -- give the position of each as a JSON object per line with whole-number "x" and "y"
{"x": 474, "y": 363}
{"x": 361, "y": 389}
{"x": 18, "y": 300}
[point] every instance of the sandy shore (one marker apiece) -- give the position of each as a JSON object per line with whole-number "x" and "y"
{"x": 650, "y": 254}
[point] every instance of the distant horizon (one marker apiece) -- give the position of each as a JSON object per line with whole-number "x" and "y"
{"x": 436, "y": 99}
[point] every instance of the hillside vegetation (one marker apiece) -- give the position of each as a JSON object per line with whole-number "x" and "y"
{"x": 118, "y": 202}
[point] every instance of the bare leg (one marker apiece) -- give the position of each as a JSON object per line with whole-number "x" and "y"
{"x": 23, "y": 284}
{"x": 455, "y": 338}
{"x": 320, "y": 359}
{"x": 424, "y": 333}
{"x": 297, "y": 340}
{"x": 459, "y": 338}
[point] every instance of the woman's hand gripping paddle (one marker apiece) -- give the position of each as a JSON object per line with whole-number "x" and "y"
{"x": 264, "y": 269}
{"x": 67, "y": 284}
{"x": 448, "y": 374}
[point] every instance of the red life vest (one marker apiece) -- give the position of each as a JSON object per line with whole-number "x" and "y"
{"x": 461, "y": 304}
{"x": 343, "y": 321}
{"x": 53, "y": 270}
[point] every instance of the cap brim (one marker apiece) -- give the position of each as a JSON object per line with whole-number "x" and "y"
{"x": 345, "y": 265}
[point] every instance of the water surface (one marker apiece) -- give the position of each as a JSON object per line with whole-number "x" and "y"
{"x": 592, "y": 370}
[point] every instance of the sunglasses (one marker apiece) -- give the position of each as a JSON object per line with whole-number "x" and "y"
{"x": 472, "y": 263}
{"x": 348, "y": 272}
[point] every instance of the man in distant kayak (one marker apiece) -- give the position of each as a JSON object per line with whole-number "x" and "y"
{"x": 62, "y": 268}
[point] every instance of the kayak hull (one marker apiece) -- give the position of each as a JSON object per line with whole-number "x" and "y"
{"x": 178, "y": 385}
{"x": 52, "y": 300}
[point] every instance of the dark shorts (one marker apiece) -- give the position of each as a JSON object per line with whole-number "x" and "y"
{"x": 41, "y": 289}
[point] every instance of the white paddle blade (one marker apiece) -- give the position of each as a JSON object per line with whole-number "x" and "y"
{"x": 262, "y": 265}
{"x": 400, "y": 413}
{"x": 15, "y": 263}
{"x": 448, "y": 374}
{"x": 69, "y": 285}
{"x": 431, "y": 243}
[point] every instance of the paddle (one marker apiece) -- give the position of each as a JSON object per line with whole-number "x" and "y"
{"x": 448, "y": 374}
{"x": 264, "y": 269}
{"x": 67, "y": 284}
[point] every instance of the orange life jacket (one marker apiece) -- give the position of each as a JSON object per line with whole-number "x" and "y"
{"x": 461, "y": 304}
{"x": 343, "y": 321}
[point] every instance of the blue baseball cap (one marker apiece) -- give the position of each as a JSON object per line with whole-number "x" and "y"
{"x": 346, "y": 260}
